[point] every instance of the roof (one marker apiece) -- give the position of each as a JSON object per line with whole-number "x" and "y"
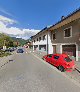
{"x": 44, "y": 29}
{"x": 69, "y": 18}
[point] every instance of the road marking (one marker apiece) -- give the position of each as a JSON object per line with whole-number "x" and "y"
{"x": 62, "y": 73}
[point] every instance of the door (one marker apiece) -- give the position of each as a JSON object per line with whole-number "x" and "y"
{"x": 48, "y": 59}
{"x": 55, "y": 60}
{"x": 54, "y": 49}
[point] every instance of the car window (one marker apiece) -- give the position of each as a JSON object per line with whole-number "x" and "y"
{"x": 50, "y": 56}
{"x": 56, "y": 57}
{"x": 20, "y": 49}
{"x": 67, "y": 59}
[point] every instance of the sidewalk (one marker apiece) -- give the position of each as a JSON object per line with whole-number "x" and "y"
{"x": 41, "y": 54}
{"x": 6, "y": 59}
{"x": 38, "y": 53}
{"x": 78, "y": 66}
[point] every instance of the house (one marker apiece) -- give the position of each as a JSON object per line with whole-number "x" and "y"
{"x": 62, "y": 37}
{"x": 42, "y": 42}
{"x": 65, "y": 35}
{"x": 28, "y": 44}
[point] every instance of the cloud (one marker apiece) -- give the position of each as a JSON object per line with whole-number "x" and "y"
{"x": 5, "y": 12}
{"x": 14, "y": 31}
{"x": 6, "y": 20}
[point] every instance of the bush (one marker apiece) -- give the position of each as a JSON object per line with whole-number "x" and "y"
{"x": 3, "y": 53}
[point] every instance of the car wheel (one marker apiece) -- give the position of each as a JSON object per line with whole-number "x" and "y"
{"x": 61, "y": 68}
{"x": 43, "y": 59}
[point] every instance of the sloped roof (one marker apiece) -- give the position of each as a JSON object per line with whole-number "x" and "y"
{"x": 69, "y": 18}
{"x": 44, "y": 29}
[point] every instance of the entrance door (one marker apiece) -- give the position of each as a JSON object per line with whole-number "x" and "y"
{"x": 54, "y": 49}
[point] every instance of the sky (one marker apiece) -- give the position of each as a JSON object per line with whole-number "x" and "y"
{"x": 24, "y": 18}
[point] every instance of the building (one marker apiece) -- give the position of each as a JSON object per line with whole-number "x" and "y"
{"x": 62, "y": 37}
{"x": 28, "y": 44}
{"x": 42, "y": 41}
{"x": 65, "y": 36}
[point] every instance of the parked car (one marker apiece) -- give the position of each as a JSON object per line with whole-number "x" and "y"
{"x": 20, "y": 51}
{"x": 9, "y": 50}
{"x": 61, "y": 61}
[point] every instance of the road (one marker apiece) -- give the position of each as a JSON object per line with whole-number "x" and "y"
{"x": 27, "y": 73}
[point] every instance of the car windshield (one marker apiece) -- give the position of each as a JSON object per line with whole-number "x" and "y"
{"x": 67, "y": 59}
{"x": 20, "y": 49}
{"x": 50, "y": 55}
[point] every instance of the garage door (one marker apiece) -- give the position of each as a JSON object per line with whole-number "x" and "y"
{"x": 42, "y": 47}
{"x": 69, "y": 49}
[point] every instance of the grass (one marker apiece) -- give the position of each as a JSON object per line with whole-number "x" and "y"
{"x": 3, "y": 53}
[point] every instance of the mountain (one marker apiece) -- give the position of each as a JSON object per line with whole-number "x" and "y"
{"x": 20, "y": 40}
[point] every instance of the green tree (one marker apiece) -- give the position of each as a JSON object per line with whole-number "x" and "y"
{"x": 5, "y": 40}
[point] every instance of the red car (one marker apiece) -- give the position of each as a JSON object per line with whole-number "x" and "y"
{"x": 61, "y": 61}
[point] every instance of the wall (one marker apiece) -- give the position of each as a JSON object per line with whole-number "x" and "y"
{"x": 60, "y": 34}
{"x": 60, "y": 40}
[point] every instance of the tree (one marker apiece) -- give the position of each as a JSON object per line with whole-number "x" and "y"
{"x": 5, "y": 40}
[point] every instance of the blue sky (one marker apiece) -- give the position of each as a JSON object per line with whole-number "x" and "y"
{"x": 36, "y": 14}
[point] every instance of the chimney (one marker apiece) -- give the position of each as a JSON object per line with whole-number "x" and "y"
{"x": 62, "y": 17}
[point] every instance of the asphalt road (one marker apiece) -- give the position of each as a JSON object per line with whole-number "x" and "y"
{"x": 27, "y": 73}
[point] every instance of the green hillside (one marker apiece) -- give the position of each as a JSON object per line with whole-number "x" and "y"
{"x": 20, "y": 40}
{"x": 9, "y": 41}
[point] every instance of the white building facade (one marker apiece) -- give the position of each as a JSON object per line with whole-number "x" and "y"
{"x": 42, "y": 41}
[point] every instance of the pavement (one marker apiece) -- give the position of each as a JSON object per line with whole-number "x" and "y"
{"x": 74, "y": 74}
{"x": 6, "y": 59}
{"x": 41, "y": 54}
{"x": 29, "y": 73}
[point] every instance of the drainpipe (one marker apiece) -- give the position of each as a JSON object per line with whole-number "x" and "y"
{"x": 47, "y": 43}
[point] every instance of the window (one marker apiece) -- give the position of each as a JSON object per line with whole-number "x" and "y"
{"x": 39, "y": 38}
{"x": 67, "y": 32}
{"x": 44, "y": 37}
{"x": 67, "y": 59}
{"x": 56, "y": 57}
{"x": 54, "y": 36}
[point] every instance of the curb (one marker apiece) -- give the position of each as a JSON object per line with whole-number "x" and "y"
{"x": 77, "y": 69}
{"x": 62, "y": 73}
